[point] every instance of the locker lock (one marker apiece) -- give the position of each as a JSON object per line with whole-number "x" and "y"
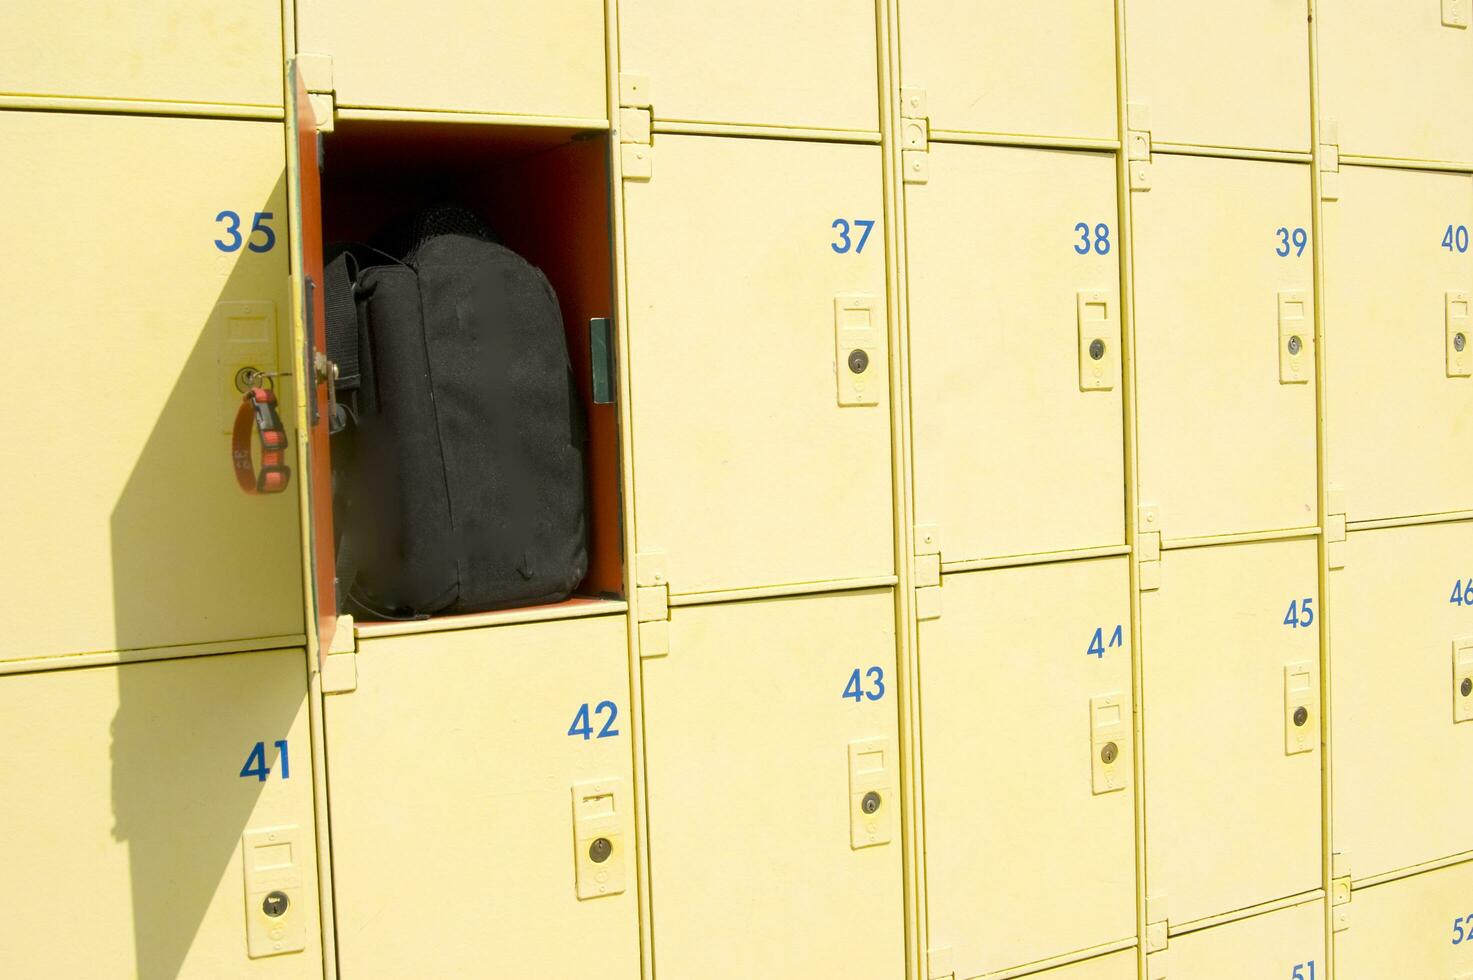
{"x": 1295, "y": 345}
{"x": 599, "y": 850}
{"x": 1460, "y": 340}
{"x": 275, "y": 904}
{"x": 1109, "y": 753}
{"x": 1467, "y": 687}
{"x": 1096, "y": 349}
{"x": 871, "y": 802}
{"x": 858, "y": 361}
{"x": 1301, "y": 715}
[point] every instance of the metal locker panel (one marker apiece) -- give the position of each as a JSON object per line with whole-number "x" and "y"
{"x": 134, "y": 308}
{"x": 1399, "y": 605}
{"x": 1287, "y": 943}
{"x": 1392, "y": 405}
{"x": 141, "y": 826}
{"x": 180, "y": 51}
{"x": 1232, "y": 816}
{"x": 751, "y": 471}
{"x": 1227, "y": 445}
{"x": 1010, "y": 883}
{"x": 1112, "y": 966}
{"x": 992, "y": 66}
{"x": 521, "y": 59}
{"x": 1395, "y": 76}
{"x": 757, "y": 783}
{"x": 759, "y": 63}
{"x": 1409, "y": 927}
{"x": 1012, "y": 455}
{"x": 1212, "y": 80}
{"x": 497, "y": 745}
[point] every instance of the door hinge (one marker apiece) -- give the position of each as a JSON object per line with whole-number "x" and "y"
{"x": 652, "y": 599}
{"x": 340, "y": 667}
{"x": 1456, "y": 13}
{"x": 939, "y": 963}
{"x": 1148, "y": 549}
{"x": 1158, "y": 929}
{"x": 1335, "y": 528}
{"x": 315, "y": 71}
{"x": 1138, "y": 145}
{"x": 927, "y": 568}
{"x": 915, "y": 136}
{"x": 636, "y": 126}
{"x": 1329, "y": 160}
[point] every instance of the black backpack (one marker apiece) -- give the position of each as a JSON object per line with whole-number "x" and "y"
{"x": 458, "y": 466}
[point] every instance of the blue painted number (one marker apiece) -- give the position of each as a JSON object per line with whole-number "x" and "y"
{"x": 1301, "y": 613}
{"x": 855, "y": 691}
{"x": 1299, "y": 973}
{"x": 583, "y": 722}
{"x": 1462, "y": 593}
{"x": 1456, "y": 239}
{"x": 844, "y": 244}
{"x": 255, "y": 764}
{"x": 1096, "y": 646}
{"x": 1101, "y": 243}
{"x": 1291, "y": 241}
{"x": 234, "y": 239}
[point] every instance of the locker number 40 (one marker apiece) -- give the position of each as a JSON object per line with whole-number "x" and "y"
{"x": 1456, "y": 239}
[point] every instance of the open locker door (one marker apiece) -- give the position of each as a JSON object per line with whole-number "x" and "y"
{"x": 309, "y": 339}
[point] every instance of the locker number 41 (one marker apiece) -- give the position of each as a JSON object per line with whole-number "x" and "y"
{"x": 255, "y": 764}
{"x": 1097, "y": 642}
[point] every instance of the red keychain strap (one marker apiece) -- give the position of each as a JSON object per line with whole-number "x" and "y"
{"x": 258, "y": 411}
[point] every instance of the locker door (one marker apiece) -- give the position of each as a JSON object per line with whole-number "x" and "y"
{"x": 170, "y": 51}
{"x": 150, "y": 811}
{"x": 497, "y": 56}
{"x": 496, "y": 760}
{"x": 1030, "y": 843}
{"x": 994, "y": 66}
{"x": 759, "y": 63}
{"x": 1017, "y": 439}
{"x": 134, "y": 310}
{"x": 1232, "y": 765}
{"x": 1410, "y": 927}
{"x": 1399, "y": 394}
{"x": 1388, "y": 71}
{"x": 1225, "y": 346}
{"x": 1403, "y": 643}
{"x": 761, "y": 438}
{"x": 1213, "y": 80}
{"x": 773, "y": 792}
{"x": 1287, "y": 943}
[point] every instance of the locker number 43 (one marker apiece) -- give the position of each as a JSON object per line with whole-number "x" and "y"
{"x": 858, "y": 690}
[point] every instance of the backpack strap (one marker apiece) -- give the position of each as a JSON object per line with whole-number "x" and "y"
{"x": 342, "y": 320}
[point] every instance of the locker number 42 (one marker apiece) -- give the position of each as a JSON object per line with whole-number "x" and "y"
{"x": 583, "y": 721}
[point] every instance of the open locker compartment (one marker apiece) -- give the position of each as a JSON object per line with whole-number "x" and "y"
{"x": 543, "y": 192}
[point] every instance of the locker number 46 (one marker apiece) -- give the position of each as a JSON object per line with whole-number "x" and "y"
{"x": 1462, "y": 593}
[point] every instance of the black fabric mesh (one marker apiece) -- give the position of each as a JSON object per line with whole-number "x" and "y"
{"x": 434, "y": 222}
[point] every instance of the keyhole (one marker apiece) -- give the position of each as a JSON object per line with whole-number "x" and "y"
{"x": 599, "y": 850}
{"x": 275, "y": 904}
{"x": 871, "y": 802}
{"x": 1109, "y": 753}
{"x": 1301, "y": 715}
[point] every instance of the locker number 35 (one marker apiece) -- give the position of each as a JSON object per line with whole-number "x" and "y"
{"x": 231, "y": 238}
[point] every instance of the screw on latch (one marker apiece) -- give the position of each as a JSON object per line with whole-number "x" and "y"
{"x": 1459, "y": 342}
{"x": 1096, "y": 349}
{"x": 858, "y": 361}
{"x": 275, "y": 904}
{"x": 1301, "y": 715}
{"x": 1295, "y": 345}
{"x": 1467, "y": 687}
{"x": 870, "y": 802}
{"x": 599, "y": 850}
{"x": 1109, "y": 753}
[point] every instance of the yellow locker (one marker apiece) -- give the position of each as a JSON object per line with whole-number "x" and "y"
{"x": 1414, "y": 927}
{"x": 774, "y": 807}
{"x": 1232, "y": 727}
{"x": 1026, "y": 731}
{"x": 1287, "y": 943}
{"x": 1225, "y": 346}
{"x": 758, "y": 63}
{"x": 134, "y": 309}
{"x": 1113, "y": 966}
{"x": 169, "y": 51}
{"x": 1402, "y": 621}
{"x": 1393, "y": 75}
{"x": 1020, "y": 69}
{"x": 1014, "y": 276}
{"x": 1209, "y": 76}
{"x": 153, "y": 813}
{"x": 1398, "y": 290}
{"x": 756, "y": 284}
{"x": 482, "y": 804}
{"x": 537, "y": 59}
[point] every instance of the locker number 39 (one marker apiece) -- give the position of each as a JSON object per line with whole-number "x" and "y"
{"x": 870, "y": 688}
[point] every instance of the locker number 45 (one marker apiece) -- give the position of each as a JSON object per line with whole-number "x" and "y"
{"x": 1301, "y": 613}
